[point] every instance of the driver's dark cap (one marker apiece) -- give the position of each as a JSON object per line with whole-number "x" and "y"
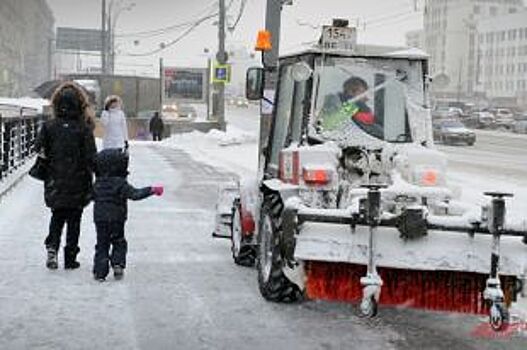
{"x": 354, "y": 83}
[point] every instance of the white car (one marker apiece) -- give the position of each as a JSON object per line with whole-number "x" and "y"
{"x": 504, "y": 119}
{"x": 481, "y": 119}
{"x": 503, "y": 113}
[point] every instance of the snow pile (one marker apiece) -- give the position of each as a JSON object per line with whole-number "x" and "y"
{"x": 474, "y": 187}
{"x": 235, "y": 150}
{"x": 232, "y": 137}
{"x": 26, "y": 102}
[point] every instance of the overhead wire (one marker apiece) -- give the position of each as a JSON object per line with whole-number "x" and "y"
{"x": 392, "y": 21}
{"x": 183, "y": 35}
{"x": 167, "y": 29}
{"x": 243, "y": 4}
{"x": 175, "y": 41}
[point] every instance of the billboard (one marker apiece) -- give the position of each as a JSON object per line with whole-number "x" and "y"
{"x": 79, "y": 39}
{"x": 185, "y": 84}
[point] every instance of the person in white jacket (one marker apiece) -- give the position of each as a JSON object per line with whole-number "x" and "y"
{"x": 113, "y": 120}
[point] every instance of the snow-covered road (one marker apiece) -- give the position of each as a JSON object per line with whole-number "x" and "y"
{"x": 497, "y": 162}
{"x": 182, "y": 290}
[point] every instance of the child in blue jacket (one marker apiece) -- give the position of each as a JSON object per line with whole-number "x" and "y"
{"x": 111, "y": 194}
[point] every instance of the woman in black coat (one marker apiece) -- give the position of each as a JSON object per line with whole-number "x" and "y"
{"x": 68, "y": 145}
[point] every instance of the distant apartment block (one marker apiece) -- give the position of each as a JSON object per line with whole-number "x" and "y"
{"x": 416, "y": 38}
{"x": 502, "y": 56}
{"x": 26, "y": 41}
{"x": 451, "y": 39}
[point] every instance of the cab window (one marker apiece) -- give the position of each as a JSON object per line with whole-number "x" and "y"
{"x": 283, "y": 114}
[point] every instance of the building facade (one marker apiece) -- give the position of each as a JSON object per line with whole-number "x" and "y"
{"x": 502, "y": 50}
{"x": 450, "y": 28}
{"x": 26, "y": 45}
{"x": 416, "y": 38}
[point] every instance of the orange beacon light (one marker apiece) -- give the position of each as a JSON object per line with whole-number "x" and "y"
{"x": 263, "y": 42}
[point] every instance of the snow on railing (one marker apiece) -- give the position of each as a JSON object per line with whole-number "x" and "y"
{"x": 18, "y": 131}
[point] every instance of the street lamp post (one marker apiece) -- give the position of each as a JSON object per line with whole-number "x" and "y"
{"x": 112, "y": 24}
{"x": 206, "y": 52}
{"x": 222, "y": 58}
{"x": 104, "y": 52}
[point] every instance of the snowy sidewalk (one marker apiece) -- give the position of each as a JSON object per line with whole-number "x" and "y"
{"x": 43, "y": 309}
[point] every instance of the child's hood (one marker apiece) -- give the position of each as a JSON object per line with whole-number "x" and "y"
{"x": 112, "y": 163}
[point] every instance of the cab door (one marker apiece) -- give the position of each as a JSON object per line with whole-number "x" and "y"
{"x": 287, "y": 123}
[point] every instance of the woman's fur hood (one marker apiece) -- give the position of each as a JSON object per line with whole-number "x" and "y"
{"x": 70, "y": 101}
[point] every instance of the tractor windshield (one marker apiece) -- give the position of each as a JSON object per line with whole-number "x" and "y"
{"x": 357, "y": 95}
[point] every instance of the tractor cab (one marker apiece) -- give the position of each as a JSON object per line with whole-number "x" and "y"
{"x": 366, "y": 98}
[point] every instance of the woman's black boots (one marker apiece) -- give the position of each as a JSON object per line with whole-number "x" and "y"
{"x": 52, "y": 262}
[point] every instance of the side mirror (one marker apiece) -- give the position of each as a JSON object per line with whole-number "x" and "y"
{"x": 254, "y": 84}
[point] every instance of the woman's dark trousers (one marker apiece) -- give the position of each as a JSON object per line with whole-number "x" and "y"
{"x": 72, "y": 218}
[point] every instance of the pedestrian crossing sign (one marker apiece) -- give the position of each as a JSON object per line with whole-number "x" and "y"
{"x": 222, "y": 73}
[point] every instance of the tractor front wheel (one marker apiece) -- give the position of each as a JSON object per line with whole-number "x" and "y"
{"x": 499, "y": 317}
{"x": 273, "y": 284}
{"x": 243, "y": 252}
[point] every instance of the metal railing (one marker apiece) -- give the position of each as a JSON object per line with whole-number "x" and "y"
{"x": 18, "y": 131}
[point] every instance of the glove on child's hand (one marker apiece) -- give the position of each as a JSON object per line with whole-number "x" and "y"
{"x": 157, "y": 190}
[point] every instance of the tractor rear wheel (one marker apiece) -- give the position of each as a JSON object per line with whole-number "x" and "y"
{"x": 243, "y": 253}
{"x": 273, "y": 284}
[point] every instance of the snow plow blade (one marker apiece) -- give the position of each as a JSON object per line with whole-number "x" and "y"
{"x": 445, "y": 268}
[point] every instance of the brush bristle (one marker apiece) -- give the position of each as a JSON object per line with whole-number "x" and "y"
{"x": 433, "y": 290}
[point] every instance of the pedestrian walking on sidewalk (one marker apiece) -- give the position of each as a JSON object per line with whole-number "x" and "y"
{"x": 67, "y": 144}
{"x": 112, "y": 192}
{"x": 157, "y": 127}
{"x": 114, "y": 121}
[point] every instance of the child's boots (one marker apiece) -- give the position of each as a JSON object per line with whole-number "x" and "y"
{"x": 70, "y": 256}
{"x": 118, "y": 272}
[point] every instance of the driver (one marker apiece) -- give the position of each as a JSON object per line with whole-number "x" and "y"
{"x": 351, "y": 102}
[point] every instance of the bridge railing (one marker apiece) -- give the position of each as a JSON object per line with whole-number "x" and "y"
{"x": 18, "y": 132}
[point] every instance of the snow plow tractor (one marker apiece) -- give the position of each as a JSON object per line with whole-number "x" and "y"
{"x": 352, "y": 201}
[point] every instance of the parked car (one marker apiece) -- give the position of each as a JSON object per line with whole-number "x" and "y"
{"x": 520, "y": 116}
{"x": 453, "y": 131}
{"x": 441, "y": 113}
{"x": 503, "y": 113}
{"x": 504, "y": 123}
{"x": 520, "y": 127}
{"x": 456, "y": 112}
{"x": 504, "y": 119}
{"x": 147, "y": 114}
{"x": 239, "y": 101}
{"x": 187, "y": 112}
{"x": 480, "y": 120}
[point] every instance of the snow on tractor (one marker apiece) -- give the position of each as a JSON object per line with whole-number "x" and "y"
{"x": 352, "y": 201}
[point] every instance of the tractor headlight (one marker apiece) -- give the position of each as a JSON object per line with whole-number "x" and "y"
{"x": 428, "y": 177}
